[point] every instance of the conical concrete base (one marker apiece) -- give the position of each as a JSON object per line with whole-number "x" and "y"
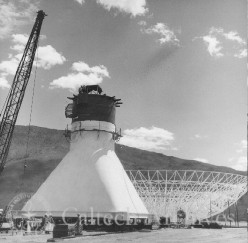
{"x": 89, "y": 180}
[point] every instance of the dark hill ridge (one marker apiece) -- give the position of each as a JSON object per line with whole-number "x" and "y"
{"x": 47, "y": 147}
{"x": 137, "y": 159}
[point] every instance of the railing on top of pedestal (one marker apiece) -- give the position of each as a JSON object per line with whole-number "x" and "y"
{"x": 115, "y": 135}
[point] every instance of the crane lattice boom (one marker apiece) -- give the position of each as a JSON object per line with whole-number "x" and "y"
{"x": 17, "y": 90}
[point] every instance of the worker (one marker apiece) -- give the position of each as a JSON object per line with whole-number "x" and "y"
{"x": 78, "y": 226}
{"x": 44, "y": 222}
{"x": 50, "y": 224}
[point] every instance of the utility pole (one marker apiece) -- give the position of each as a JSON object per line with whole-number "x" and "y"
{"x": 237, "y": 213}
{"x": 229, "y": 214}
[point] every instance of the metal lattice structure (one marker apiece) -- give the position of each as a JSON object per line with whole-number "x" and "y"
{"x": 201, "y": 194}
{"x": 17, "y": 90}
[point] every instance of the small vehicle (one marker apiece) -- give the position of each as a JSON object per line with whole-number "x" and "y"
{"x": 5, "y": 227}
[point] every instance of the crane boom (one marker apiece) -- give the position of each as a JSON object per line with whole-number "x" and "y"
{"x": 17, "y": 90}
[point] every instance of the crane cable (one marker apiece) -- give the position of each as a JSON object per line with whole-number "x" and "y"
{"x": 30, "y": 117}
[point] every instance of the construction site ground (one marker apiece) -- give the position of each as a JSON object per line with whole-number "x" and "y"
{"x": 225, "y": 235}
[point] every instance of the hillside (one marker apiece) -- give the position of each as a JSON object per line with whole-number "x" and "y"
{"x": 48, "y": 146}
{"x": 137, "y": 159}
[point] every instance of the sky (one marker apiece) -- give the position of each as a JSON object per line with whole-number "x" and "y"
{"x": 180, "y": 68}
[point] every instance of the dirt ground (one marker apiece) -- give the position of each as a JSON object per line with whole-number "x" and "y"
{"x": 228, "y": 235}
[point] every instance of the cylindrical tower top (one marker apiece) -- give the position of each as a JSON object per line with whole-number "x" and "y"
{"x": 90, "y": 104}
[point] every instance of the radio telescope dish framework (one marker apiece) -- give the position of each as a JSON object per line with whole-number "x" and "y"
{"x": 201, "y": 194}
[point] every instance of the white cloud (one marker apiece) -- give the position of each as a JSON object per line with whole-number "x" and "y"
{"x": 74, "y": 80}
{"x": 15, "y": 14}
{"x": 220, "y": 43}
{"x": 133, "y": 7}
{"x": 242, "y": 146}
{"x": 80, "y": 1}
{"x": 153, "y": 139}
{"x": 9, "y": 67}
{"x": 83, "y": 75}
{"x": 241, "y": 164}
{"x": 142, "y": 23}
{"x": 42, "y": 37}
{"x": 4, "y": 83}
{"x": 232, "y": 35}
{"x": 213, "y": 45}
{"x": 199, "y": 136}
{"x": 47, "y": 56}
{"x": 21, "y": 39}
{"x": 165, "y": 34}
{"x": 241, "y": 54}
{"x": 18, "y": 47}
{"x": 18, "y": 56}
{"x": 84, "y": 67}
{"x": 201, "y": 160}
